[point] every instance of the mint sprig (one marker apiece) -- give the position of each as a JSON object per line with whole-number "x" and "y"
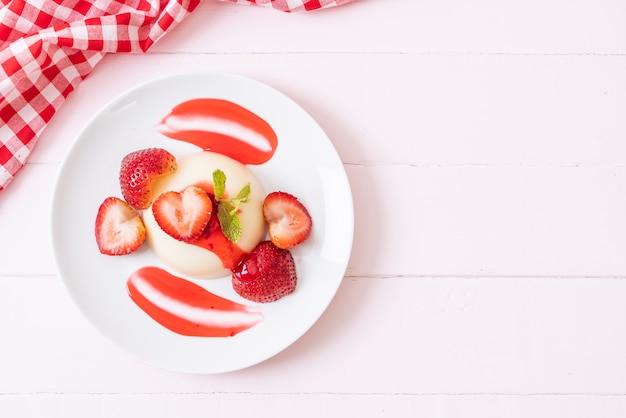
{"x": 227, "y": 209}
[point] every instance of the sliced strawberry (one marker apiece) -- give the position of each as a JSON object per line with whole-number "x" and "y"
{"x": 183, "y": 215}
{"x": 119, "y": 229}
{"x": 138, "y": 169}
{"x": 289, "y": 222}
{"x": 266, "y": 274}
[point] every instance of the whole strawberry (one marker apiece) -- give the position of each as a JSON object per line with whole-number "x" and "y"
{"x": 266, "y": 274}
{"x": 137, "y": 171}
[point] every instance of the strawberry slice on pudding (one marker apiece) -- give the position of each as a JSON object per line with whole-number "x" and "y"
{"x": 183, "y": 215}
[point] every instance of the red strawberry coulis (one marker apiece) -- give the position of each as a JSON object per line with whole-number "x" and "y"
{"x": 214, "y": 240}
{"x": 221, "y": 126}
{"x": 187, "y": 308}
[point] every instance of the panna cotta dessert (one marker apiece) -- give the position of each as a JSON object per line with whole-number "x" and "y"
{"x": 211, "y": 255}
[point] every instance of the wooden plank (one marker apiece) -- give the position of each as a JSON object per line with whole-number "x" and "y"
{"x": 222, "y": 405}
{"x": 432, "y": 221}
{"x": 409, "y": 109}
{"x": 400, "y": 26}
{"x": 414, "y": 336}
{"x": 488, "y": 221}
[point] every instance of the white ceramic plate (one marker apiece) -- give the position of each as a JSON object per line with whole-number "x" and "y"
{"x": 305, "y": 163}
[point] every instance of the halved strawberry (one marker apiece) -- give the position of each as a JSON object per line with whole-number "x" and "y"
{"x": 138, "y": 169}
{"x": 183, "y": 215}
{"x": 289, "y": 222}
{"x": 266, "y": 274}
{"x": 119, "y": 229}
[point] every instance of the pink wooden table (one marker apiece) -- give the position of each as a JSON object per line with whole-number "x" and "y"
{"x": 485, "y": 144}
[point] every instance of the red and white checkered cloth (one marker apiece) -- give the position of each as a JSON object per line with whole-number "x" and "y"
{"x": 47, "y": 47}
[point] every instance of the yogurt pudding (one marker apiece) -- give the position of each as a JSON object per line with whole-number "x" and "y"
{"x": 213, "y": 255}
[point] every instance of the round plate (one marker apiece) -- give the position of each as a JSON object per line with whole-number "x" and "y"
{"x": 305, "y": 164}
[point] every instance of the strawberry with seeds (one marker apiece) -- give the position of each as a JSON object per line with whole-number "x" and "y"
{"x": 267, "y": 274}
{"x": 137, "y": 171}
{"x": 289, "y": 222}
{"x": 183, "y": 215}
{"x": 119, "y": 229}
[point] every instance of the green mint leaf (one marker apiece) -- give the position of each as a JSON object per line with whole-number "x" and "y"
{"x": 229, "y": 221}
{"x": 219, "y": 184}
{"x": 227, "y": 208}
{"x": 235, "y": 229}
{"x": 244, "y": 194}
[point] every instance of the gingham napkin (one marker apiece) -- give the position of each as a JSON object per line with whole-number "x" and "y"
{"x": 47, "y": 47}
